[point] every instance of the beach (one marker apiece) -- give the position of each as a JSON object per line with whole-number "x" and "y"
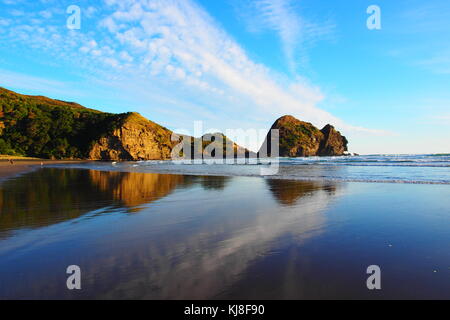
{"x": 152, "y": 236}
{"x": 22, "y": 165}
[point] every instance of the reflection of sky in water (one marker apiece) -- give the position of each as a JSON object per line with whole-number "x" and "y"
{"x": 150, "y": 236}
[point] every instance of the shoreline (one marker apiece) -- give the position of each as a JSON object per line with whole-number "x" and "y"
{"x": 21, "y": 166}
{"x": 26, "y": 165}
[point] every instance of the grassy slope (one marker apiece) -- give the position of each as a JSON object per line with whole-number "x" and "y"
{"x": 37, "y": 126}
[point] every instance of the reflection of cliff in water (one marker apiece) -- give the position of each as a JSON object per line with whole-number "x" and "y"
{"x": 213, "y": 182}
{"x": 288, "y": 192}
{"x": 49, "y": 196}
{"x": 133, "y": 189}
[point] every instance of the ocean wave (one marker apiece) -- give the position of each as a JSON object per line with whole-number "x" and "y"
{"x": 317, "y": 172}
{"x": 412, "y": 169}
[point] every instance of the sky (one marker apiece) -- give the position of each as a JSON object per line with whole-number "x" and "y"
{"x": 236, "y": 64}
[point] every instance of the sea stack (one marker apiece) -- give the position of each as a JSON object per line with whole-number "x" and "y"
{"x": 302, "y": 139}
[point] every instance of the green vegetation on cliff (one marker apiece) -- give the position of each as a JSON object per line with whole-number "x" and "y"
{"x": 41, "y": 127}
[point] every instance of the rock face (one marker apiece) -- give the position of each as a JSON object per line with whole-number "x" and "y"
{"x": 140, "y": 139}
{"x": 333, "y": 143}
{"x": 302, "y": 139}
{"x": 38, "y": 126}
{"x": 136, "y": 139}
{"x": 213, "y": 142}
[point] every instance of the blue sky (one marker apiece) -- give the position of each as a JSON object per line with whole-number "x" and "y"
{"x": 241, "y": 64}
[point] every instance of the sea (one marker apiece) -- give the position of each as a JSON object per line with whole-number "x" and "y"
{"x": 419, "y": 169}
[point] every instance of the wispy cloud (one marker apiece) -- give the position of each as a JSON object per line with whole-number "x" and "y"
{"x": 425, "y": 17}
{"x": 280, "y": 16}
{"x": 424, "y": 38}
{"x": 438, "y": 63}
{"x": 295, "y": 32}
{"x": 442, "y": 119}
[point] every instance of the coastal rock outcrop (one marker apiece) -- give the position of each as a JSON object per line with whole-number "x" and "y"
{"x": 302, "y": 139}
{"x": 135, "y": 139}
{"x": 38, "y": 126}
{"x": 140, "y": 139}
{"x": 333, "y": 143}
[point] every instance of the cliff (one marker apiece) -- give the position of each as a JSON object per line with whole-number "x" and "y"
{"x": 42, "y": 127}
{"x": 302, "y": 139}
{"x": 333, "y": 143}
{"x": 136, "y": 138}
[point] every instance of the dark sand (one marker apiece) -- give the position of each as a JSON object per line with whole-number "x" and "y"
{"x": 160, "y": 236}
{"x": 20, "y": 166}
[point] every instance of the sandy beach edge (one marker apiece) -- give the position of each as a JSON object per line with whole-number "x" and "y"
{"x": 17, "y": 167}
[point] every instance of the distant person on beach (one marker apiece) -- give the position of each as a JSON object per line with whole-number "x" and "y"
{"x": 11, "y": 161}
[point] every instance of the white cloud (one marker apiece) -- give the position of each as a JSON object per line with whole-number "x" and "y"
{"x": 125, "y": 56}
{"x": 46, "y": 14}
{"x": 90, "y": 12}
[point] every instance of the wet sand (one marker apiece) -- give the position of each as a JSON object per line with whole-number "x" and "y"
{"x": 161, "y": 236}
{"x": 20, "y": 166}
